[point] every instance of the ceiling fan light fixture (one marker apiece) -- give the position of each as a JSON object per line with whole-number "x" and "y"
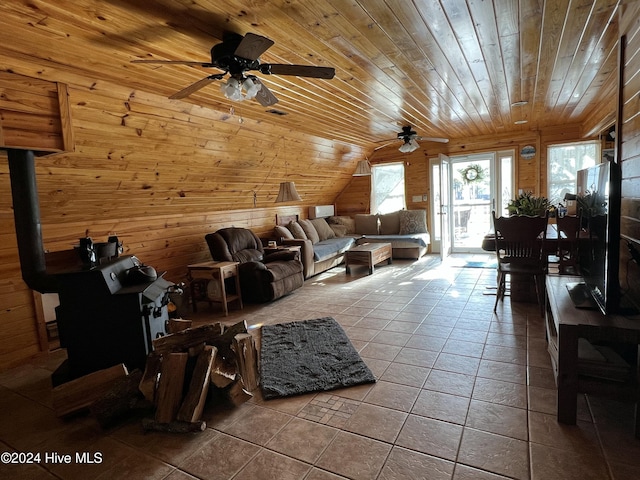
{"x": 232, "y": 90}
{"x": 363, "y": 169}
{"x": 288, "y": 193}
{"x": 252, "y": 88}
{"x": 409, "y": 145}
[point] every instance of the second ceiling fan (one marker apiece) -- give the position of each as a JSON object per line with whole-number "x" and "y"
{"x": 409, "y": 138}
{"x": 236, "y": 56}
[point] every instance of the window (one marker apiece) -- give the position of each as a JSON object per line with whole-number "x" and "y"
{"x": 387, "y": 188}
{"x": 563, "y": 162}
{"x": 505, "y": 181}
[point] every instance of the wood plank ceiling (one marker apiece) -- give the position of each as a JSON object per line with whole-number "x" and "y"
{"x": 449, "y": 68}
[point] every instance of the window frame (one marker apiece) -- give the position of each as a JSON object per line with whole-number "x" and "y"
{"x": 550, "y": 175}
{"x": 375, "y": 169}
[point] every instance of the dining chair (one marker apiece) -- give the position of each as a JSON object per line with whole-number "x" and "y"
{"x": 568, "y": 235}
{"x": 520, "y": 251}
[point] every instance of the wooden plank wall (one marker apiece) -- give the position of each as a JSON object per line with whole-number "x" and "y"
{"x": 160, "y": 174}
{"x": 629, "y": 154}
{"x": 32, "y": 113}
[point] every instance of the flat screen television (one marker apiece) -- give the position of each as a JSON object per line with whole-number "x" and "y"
{"x": 598, "y": 192}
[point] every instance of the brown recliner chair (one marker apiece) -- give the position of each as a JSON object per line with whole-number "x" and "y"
{"x": 262, "y": 277}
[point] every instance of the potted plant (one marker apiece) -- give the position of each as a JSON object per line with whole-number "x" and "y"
{"x": 528, "y": 204}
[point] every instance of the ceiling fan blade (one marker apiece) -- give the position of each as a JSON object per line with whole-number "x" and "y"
{"x": 194, "y": 87}
{"x": 385, "y": 145}
{"x": 264, "y": 95}
{"x": 176, "y": 62}
{"x": 252, "y": 46}
{"x": 298, "y": 70}
{"x": 433, "y": 139}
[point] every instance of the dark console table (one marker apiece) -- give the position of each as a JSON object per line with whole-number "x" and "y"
{"x": 565, "y": 324}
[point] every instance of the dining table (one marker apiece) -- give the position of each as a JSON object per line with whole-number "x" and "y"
{"x": 550, "y": 243}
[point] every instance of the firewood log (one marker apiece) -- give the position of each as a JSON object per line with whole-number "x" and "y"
{"x": 173, "y": 427}
{"x": 223, "y": 374}
{"x": 193, "y": 403}
{"x": 182, "y": 341}
{"x": 123, "y": 399}
{"x": 237, "y": 393}
{"x": 247, "y": 359}
{"x": 170, "y": 386}
{"x": 175, "y": 325}
{"x": 80, "y": 393}
{"x": 149, "y": 381}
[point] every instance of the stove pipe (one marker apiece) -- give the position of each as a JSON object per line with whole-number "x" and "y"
{"x": 26, "y": 212}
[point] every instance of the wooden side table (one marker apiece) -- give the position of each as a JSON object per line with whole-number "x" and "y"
{"x": 218, "y": 271}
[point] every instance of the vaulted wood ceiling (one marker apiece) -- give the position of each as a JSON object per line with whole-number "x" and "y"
{"x": 449, "y": 68}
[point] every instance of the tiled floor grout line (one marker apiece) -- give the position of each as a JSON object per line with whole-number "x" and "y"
{"x": 493, "y": 364}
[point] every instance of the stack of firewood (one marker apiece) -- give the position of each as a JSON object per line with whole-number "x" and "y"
{"x": 184, "y": 368}
{"x": 186, "y": 364}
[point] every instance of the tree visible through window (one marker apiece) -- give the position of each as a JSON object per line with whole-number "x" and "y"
{"x": 563, "y": 162}
{"x": 387, "y": 188}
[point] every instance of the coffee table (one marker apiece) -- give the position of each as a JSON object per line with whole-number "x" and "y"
{"x": 369, "y": 254}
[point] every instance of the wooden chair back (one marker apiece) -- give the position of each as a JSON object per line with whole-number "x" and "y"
{"x": 520, "y": 239}
{"x": 568, "y": 227}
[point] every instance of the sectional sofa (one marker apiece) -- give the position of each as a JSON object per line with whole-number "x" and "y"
{"x": 323, "y": 241}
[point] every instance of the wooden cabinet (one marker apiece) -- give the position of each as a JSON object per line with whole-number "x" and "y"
{"x": 568, "y": 328}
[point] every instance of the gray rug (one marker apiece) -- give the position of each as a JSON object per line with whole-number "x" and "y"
{"x": 308, "y": 356}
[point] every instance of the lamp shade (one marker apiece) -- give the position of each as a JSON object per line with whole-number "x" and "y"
{"x": 288, "y": 193}
{"x": 363, "y": 169}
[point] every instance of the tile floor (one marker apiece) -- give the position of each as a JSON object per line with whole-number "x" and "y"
{"x": 462, "y": 394}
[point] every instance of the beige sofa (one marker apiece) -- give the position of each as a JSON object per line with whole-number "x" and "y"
{"x": 405, "y": 230}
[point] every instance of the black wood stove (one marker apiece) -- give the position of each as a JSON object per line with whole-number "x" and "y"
{"x": 109, "y": 314}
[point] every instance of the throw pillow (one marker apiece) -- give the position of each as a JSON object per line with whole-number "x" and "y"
{"x": 348, "y": 222}
{"x": 390, "y": 223}
{"x": 339, "y": 230}
{"x": 366, "y": 224}
{"x": 282, "y": 233}
{"x": 296, "y": 230}
{"x": 413, "y": 221}
{"x": 323, "y": 228}
{"x": 309, "y": 230}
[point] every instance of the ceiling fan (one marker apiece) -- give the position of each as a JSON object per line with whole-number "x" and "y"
{"x": 409, "y": 140}
{"x": 237, "y": 55}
